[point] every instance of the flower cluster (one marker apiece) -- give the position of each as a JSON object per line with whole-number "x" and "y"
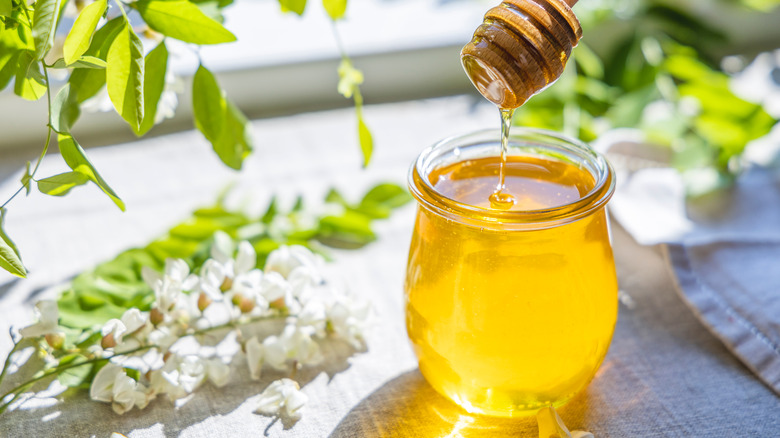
{"x": 278, "y": 317}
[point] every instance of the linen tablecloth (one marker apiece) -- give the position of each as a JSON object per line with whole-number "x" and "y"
{"x": 665, "y": 374}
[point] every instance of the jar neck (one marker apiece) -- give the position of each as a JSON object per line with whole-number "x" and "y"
{"x": 523, "y": 141}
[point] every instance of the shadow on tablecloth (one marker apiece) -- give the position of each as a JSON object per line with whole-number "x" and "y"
{"x": 408, "y": 407}
{"x": 73, "y": 414}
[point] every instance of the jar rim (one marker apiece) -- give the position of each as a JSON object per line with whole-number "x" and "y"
{"x": 427, "y": 195}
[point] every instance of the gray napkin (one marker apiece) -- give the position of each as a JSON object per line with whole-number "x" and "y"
{"x": 725, "y": 255}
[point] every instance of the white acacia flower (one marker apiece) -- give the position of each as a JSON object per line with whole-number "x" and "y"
{"x": 212, "y": 276}
{"x": 166, "y": 294}
{"x": 113, "y": 330}
{"x": 254, "y": 357}
{"x": 286, "y": 258}
{"x": 282, "y": 397}
{"x": 347, "y": 319}
{"x": 162, "y": 337}
{"x": 184, "y": 374}
{"x": 303, "y": 279}
{"x": 132, "y": 321}
{"x": 551, "y": 424}
{"x": 313, "y": 314}
{"x": 249, "y": 283}
{"x": 760, "y": 82}
{"x": 222, "y": 250}
{"x": 274, "y": 287}
{"x": 296, "y": 344}
{"x": 218, "y": 372}
{"x": 48, "y": 317}
{"x": 113, "y": 385}
{"x": 177, "y": 271}
{"x": 143, "y": 361}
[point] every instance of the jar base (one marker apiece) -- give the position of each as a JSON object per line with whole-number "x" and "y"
{"x": 492, "y": 406}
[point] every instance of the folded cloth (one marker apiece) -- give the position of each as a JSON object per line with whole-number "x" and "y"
{"x": 724, "y": 251}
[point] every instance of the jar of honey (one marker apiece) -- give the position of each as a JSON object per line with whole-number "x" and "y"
{"x": 511, "y": 310}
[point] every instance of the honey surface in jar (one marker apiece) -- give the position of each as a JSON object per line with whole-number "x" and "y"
{"x": 505, "y": 322}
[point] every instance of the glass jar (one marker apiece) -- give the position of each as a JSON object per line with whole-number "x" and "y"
{"x": 510, "y": 311}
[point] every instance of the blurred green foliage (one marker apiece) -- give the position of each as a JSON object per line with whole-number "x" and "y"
{"x": 661, "y": 77}
{"x": 112, "y": 287}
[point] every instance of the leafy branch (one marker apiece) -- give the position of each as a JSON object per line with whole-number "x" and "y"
{"x": 142, "y": 301}
{"x": 103, "y": 50}
{"x": 662, "y": 79}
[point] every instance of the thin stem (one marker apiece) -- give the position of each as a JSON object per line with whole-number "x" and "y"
{"x": 122, "y": 9}
{"x": 356, "y": 95}
{"x": 234, "y": 324}
{"x": 59, "y": 369}
{"x": 8, "y": 362}
{"x": 21, "y": 387}
{"x": 48, "y": 136}
{"x": 339, "y": 44}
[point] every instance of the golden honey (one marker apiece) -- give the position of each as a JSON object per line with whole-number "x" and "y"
{"x": 511, "y": 310}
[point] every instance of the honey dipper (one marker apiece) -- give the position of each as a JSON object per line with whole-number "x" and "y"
{"x": 521, "y": 47}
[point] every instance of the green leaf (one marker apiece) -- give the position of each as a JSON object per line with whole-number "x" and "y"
{"x": 45, "y": 19}
{"x": 270, "y": 212}
{"x": 352, "y": 229}
{"x": 208, "y": 104}
{"x": 10, "y": 260}
{"x": 297, "y": 6}
{"x": 335, "y": 8}
{"x": 211, "y": 9}
{"x": 12, "y": 43}
{"x": 762, "y": 5}
{"x": 60, "y": 185}
{"x": 235, "y": 142}
{"x": 83, "y": 62}
{"x": 85, "y": 310}
{"x": 85, "y": 83}
{"x": 30, "y": 83}
{"x": 8, "y": 62}
{"x": 77, "y": 160}
{"x": 335, "y": 197}
{"x": 221, "y": 122}
{"x": 26, "y": 178}
{"x": 184, "y": 21}
{"x": 298, "y": 206}
{"x": 388, "y": 194}
{"x": 64, "y": 110}
{"x": 366, "y": 140}
{"x": 125, "y": 76}
{"x": 589, "y": 61}
{"x": 155, "y": 68}
{"x": 5, "y": 8}
{"x": 80, "y": 36}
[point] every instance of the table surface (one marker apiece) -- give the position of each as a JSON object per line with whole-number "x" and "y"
{"x": 665, "y": 374}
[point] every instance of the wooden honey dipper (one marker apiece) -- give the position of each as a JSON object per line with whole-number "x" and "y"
{"x": 521, "y": 48}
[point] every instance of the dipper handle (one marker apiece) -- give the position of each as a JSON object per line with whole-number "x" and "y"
{"x": 521, "y": 47}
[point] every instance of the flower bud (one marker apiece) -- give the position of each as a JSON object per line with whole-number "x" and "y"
{"x": 108, "y": 341}
{"x": 55, "y": 340}
{"x": 227, "y": 284}
{"x": 203, "y": 302}
{"x": 246, "y": 305}
{"x": 236, "y": 300}
{"x": 156, "y": 317}
{"x": 278, "y": 304}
